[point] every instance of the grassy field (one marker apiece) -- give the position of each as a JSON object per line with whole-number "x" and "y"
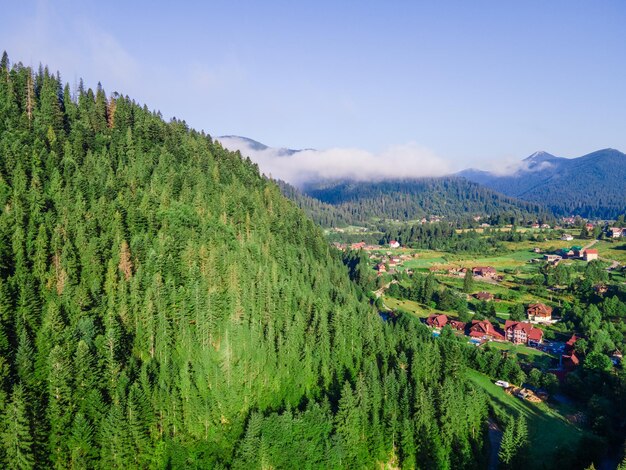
{"x": 539, "y": 359}
{"x": 500, "y": 290}
{"x": 549, "y": 431}
{"x": 409, "y": 306}
{"x": 612, "y": 250}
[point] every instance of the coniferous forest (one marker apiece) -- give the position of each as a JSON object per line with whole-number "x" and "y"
{"x": 412, "y": 199}
{"x": 164, "y": 306}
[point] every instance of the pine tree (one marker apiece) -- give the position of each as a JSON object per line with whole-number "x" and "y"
{"x": 81, "y": 443}
{"x": 508, "y": 444}
{"x": 468, "y": 282}
{"x": 17, "y": 438}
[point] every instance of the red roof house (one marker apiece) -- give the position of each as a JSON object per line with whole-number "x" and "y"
{"x": 571, "y": 342}
{"x": 457, "y": 325}
{"x": 483, "y": 329}
{"x": 522, "y": 332}
{"x": 589, "y": 255}
{"x": 486, "y": 296}
{"x": 570, "y": 359}
{"x": 437, "y": 321}
{"x": 539, "y": 313}
{"x": 484, "y": 271}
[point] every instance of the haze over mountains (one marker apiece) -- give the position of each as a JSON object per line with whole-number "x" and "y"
{"x": 590, "y": 186}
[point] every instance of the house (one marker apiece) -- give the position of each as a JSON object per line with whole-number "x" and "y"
{"x": 522, "y": 333}
{"x": 567, "y": 253}
{"x": 567, "y": 237}
{"x": 486, "y": 296}
{"x": 357, "y": 246}
{"x": 577, "y": 249}
{"x": 536, "y": 250}
{"x": 437, "y": 321}
{"x": 539, "y": 313}
{"x": 569, "y": 345}
{"x": 589, "y": 226}
{"x": 484, "y": 271}
{"x": 485, "y": 331}
{"x": 457, "y": 271}
{"x": 535, "y": 225}
{"x": 570, "y": 359}
{"x": 590, "y": 255}
{"x": 381, "y": 268}
{"x": 551, "y": 258}
{"x": 545, "y": 226}
{"x": 616, "y": 232}
{"x": 394, "y": 244}
{"x": 456, "y": 324}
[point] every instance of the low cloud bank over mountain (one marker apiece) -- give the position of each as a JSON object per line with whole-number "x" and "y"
{"x": 303, "y": 166}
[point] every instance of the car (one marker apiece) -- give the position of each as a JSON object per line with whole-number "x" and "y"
{"x": 502, "y": 383}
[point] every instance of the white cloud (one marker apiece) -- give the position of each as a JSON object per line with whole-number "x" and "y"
{"x": 510, "y": 166}
{"x": 399, "y": 161}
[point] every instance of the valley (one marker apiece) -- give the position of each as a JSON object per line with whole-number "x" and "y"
{"x": 163, "y": 304}
{"x": 456, "y": 294}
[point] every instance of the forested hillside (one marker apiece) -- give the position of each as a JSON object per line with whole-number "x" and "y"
{"x": 413, "y": 199}
{"x": 322, "y": 213}
{"x": 164, "y": 306}
{"x": 589, "y": 186}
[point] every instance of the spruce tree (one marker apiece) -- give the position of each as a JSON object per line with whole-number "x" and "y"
{"x": 17, "y": 439}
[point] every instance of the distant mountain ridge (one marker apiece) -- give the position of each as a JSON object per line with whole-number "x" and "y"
{"x": 590, "y": 186}
{"x": 411, "y": 199}
{"x": 593, "y": 185}
{"x": 237, "y": 142}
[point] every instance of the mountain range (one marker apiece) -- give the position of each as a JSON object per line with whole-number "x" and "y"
{"x": 590, "y": 186}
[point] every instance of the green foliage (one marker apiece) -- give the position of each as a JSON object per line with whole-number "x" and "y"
{"x": 164, "y": 306}
{"x": 514, "y": 442}
{"x": 414, "y": 199}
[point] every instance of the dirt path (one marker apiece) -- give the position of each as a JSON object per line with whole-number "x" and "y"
{"x": 589, "y": 245}
{"x": 495, "y": 439}
{"x": 381, "y": 291}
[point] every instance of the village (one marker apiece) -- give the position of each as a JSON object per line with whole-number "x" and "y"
{"x": 507, "y": 307}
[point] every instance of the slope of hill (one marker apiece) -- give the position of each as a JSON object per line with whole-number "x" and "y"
{"x": 413, "y": 199}
{"x": 323, "y": 214}
{"x": 590, "y": 186}
{"x": 164, "y": 306}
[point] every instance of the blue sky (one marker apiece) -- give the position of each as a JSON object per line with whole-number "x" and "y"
{"x": 471, "y": 83}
